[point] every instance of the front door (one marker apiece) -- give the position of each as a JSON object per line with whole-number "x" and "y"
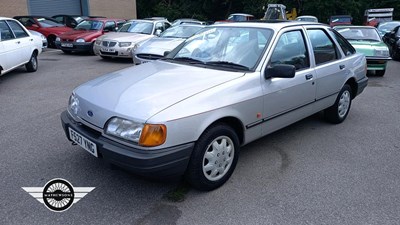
{"x": 287, "y": 100}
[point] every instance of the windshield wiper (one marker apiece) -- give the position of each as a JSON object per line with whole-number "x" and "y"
{"x": 228, "y": 64}
{"x": 189, "y": 60}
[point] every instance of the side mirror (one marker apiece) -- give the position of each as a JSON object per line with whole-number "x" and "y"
{"x": 166, "y": 53}
{"x": 158, "y": 32}
{"x": 280, "y": 70}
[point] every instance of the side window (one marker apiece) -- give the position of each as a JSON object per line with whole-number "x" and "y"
{"x": 291, "y": 49}
{"x": 166, "y": 25}
{"x": 5, "y": 31}
{"x": 110, "y": 26}
{"x": 324, "y": 48}
{"x": 120, "y": 24}
{"x": 159, "y": 26}
{"x": 60, "y": 19}
{"x": 26, "y": 21}
{"x": 344, "y": 44}
{"x": 19, "y": 32}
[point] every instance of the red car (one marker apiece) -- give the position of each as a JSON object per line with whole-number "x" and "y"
{"x": 83, "y": 36}
{"x": 49, "y": 27}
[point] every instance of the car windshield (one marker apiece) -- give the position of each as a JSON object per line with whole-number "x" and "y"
{"x": 141, "y": 27}
{"x": 89, "y": 25}
{"x": 45, "y": 22}
{"x": 341, "y": 20}
{"x": 367, "y": 34}
{"x": 307, "y": 19}
{"x": 181, "y": 31}
{"x": 78, "y": 19}
{"x": 239, "y": 17}
{"x": 224, "y": 47}
{"x": 386, "y": 27}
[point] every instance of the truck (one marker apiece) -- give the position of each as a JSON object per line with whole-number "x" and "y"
{"x": 278, "y": 12}
{"x": 372, "y": 17}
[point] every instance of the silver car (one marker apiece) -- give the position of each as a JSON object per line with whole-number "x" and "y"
{"x": 155, "y": 48}
{"x": 128, "y": 37}
{"x": 223, "y": 88}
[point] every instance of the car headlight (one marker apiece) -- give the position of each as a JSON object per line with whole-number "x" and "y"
{"x": 134, "y": 48}
{"x": 384, "y": 52}
{"x": 80, "y": 40}
{"x": 148, "y": 135}
{"x": 57, "y": 38}
{"x": 125, "y": 44}
{"x": 97, "y": 42}
{"x": 73, "y": 104}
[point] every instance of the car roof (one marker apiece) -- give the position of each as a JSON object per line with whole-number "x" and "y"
{"x": 6, "y": 18}
{"x": 306, "y": 16}
{"x": 272, "y": 24}
{"x": 240, "y": 14}
{"x": 352, "y": 26}
{"x": 103, "y": 19}
{"x": 148, "y": 20}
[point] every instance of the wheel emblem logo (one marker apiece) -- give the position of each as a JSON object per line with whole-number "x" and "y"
{"x": 58, "y": 194}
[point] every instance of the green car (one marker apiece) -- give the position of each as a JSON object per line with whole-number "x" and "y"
{"x": 366, "y": 40}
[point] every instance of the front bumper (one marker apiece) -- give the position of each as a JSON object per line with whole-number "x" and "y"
{"x": 120, "y": 52}
{"x": 151, "y": 163}
{"x": 377, "y": 63}
{"x": 75, "y": 46}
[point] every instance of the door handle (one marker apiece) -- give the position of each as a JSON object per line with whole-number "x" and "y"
{"x": 342, "y": 67}
{"x": 309, "y": 76}
{"x": 18, "y": 42}
{"x": 31, "y": 39}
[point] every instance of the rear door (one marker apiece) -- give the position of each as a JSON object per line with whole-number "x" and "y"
{"x": 331, "y": 68}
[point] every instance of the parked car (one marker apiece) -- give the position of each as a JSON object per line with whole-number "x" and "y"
{"x": 392, "y": 39}
{"x": 44, "y": 39}
{"x": 386, "y": 27}
{"x": 83, "y": 36}
{"x": 156, "y": 47}
{"x": 18, "y": 47}
{"x": 187, "y": 21}
{"x": 366, "y": 40}
{"x": 129, "y": 36}
{"x": 69, "y": 20}
{"x": 223, "y": 88}
{"x": 49, "y": 27}
{"x": 307, "y": 18}
{"x": 340, "y": 20}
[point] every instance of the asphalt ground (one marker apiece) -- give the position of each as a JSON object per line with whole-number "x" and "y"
{"x": 311, "y": 172}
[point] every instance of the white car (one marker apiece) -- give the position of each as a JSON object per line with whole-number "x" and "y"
{"x": 18, "y": 46}
{"x": 128, "y": 38}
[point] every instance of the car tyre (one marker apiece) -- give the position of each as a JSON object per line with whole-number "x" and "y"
{"x": 51, "y": 41}
{"x": 32, "y": 65}
{"x": 66, "y": 51}
{"x": 338, "y": 112}
{"x": 214, "y": 158}
{"x": 380, "y": 73}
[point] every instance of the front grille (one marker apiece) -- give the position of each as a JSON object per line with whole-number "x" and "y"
{"x": 109, "y": 43}
{"x": 149, "y": 56}
{"x": 109, "y": 53}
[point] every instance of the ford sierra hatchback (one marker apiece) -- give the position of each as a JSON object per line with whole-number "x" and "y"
{"x": 228, "y": 85}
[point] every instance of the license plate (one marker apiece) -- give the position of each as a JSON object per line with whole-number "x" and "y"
{"x": 68, "y": 45}
{"x": 107, "y": 50}
{"x": 83, "y": 142}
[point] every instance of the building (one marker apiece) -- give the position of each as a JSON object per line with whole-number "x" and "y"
{"x": 125, "y": 9}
